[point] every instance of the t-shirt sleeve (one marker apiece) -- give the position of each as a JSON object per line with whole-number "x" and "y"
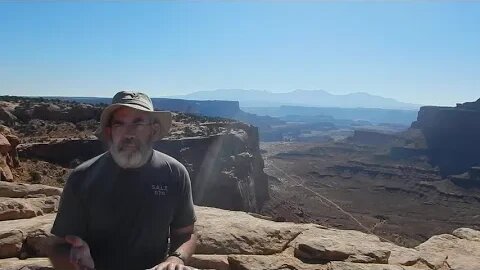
{"x": 70, "y": 218}
{"x": 184, "y": 212}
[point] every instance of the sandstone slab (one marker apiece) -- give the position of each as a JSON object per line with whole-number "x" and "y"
{"x": 267, "y": 262}
{"x": 447, "y": 250}
{"x": 10, "y": 242}
{"x": 217, "y": 262}
{"x": 324, "y": 245}
{"x": 401, "y": 255}
{"x": 467, "y": 234}
{"x": 5, "y": 145}
{"x": 14, "y": 233}
{"x": 30, "y": 263}
{"x": 5, "y": 172}
{"x": 361, "y": 266}
{"x": 18, "y": 190}
{"x": 21, "y": 208}
{"x": 231, "y": 232}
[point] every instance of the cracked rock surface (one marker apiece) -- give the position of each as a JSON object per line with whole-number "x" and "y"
{"x": 240, "y": 241}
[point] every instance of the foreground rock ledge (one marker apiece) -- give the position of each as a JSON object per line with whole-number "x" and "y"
{"x": 240, "y": 241}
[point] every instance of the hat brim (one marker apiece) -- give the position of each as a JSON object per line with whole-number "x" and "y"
{"x": 163, "y": 118}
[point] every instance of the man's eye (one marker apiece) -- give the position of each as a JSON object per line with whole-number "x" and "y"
{"x": 132, "y": 125}
{"x": 142, "y": 123}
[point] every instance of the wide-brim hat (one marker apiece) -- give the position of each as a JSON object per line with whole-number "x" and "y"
{"x": 138, "y": 101}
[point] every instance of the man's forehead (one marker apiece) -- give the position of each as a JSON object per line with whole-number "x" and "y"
{"x": 127, "y": 113}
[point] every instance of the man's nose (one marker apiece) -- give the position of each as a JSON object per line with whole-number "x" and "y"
{"x": 130, "y": 131}
{"x": 130, "y": 135}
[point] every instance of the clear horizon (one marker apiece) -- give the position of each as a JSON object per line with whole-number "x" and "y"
{"x": 153, "y": 96}
{"x": 413, "y": 52}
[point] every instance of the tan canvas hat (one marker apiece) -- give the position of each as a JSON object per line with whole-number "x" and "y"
{"x": 139, "y": 101}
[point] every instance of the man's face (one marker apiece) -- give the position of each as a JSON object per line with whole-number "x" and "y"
{"x": 130, "y": 137}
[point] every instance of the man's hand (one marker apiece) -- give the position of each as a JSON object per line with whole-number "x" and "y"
{"x": 80, "y": 253}
{"x": 172, "y": 263}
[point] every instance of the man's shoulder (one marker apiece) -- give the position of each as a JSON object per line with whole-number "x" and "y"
{"x": 91, "y": 163}
{"x": 90, "y": 167}
{"x": 82, "y": 176}
{"x": 162, "y": 160}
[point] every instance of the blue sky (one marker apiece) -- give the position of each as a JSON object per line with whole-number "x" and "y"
{"x": 419, "y": 52}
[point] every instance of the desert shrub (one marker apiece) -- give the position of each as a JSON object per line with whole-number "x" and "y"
{"x": 35, "y": 177}
{"x": 188, "y": 132}
{"x": 60, "y": 180}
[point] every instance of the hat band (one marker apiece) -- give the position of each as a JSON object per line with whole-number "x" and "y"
{"x": 135, "y": 102}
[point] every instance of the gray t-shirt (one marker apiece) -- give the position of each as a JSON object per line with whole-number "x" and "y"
{"x": 125, "y": 215}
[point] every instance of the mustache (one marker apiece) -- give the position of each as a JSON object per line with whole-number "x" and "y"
{"x": 124, "y": 142}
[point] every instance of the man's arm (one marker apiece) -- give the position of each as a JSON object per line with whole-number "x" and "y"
{"x": 182, "y": 242}
{"x": 182, "y": 236}
{"x": 69, "y": 253}
{"x": 59, "y": 253}
{"x": 66, "y": 248}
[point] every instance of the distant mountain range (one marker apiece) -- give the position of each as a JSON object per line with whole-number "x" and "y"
{"x": 309, "y": 98}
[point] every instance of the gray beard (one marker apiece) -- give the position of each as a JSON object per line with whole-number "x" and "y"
{"x": 131, "y": 160}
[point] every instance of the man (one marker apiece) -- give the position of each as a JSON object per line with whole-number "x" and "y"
{"x": 120, "y": 209}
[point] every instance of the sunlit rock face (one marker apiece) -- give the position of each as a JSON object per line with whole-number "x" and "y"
{"x": 233, "y": 240}
{"x": 221, "y": 155}
{"x": 226, "y": 169}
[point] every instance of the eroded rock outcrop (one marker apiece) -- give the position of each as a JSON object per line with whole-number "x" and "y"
{"x": 5, "y": 172}
{"x": 19, "y": 190}
{"x": 229, "y": 164}
{"x": 226, "y": 169}
{"x": 452, "y": 136}
{"x": 372, "y": 137}
{"x": 58, "y": 111}
{"x": 6, "y": 112}
{"x": 20, "y": 208}
{"x": 64, "y": 152}
{"x": 8, "y": 153}
{"x": 26, "y": 214}
{"x": 237, "y": 240}
{"x": 222, "y": 155}
{"x": 469, "y": 179}
{"x": 453, "y": 250}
